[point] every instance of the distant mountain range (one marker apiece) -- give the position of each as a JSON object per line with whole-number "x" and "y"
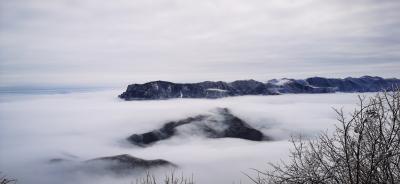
{"x": 208, "y": 89}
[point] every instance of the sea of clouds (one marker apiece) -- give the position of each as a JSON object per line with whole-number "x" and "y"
{"x": 85, "y": 125}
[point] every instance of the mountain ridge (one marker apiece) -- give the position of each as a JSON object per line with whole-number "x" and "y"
{"x": 156, "y": 90}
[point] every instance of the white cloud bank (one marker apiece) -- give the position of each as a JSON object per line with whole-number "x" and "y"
{"x": 119, "y": 42}
{"x": 81, "y": 126}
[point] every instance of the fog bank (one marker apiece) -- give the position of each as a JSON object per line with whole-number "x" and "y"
{"x": 82, "y": 126}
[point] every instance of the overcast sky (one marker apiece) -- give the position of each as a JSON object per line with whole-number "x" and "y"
{"x": 92, "y": 42}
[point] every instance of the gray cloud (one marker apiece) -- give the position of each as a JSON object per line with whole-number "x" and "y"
{"x": 119, "y": 42}
{"x": 81, "y": 126}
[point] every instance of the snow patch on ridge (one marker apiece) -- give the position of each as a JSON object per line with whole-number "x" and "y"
{"x": 215, "y": 89}
{"x": 280, "y": 82}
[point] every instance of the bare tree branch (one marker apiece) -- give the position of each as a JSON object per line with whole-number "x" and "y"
{"x": 364, "y": 148}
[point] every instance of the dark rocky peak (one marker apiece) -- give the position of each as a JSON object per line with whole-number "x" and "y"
{"x": 249, "y": 87}
{"x": 249, "y": 83}
{"x": 350, "y": 84}
{"x": 372, "y": 77}
{"x": 220, "y": 123}
{"x": 211, "y": 84}
{"x": 321, "y": 82}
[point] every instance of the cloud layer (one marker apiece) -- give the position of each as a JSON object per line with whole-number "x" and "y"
{"x": 82, "y": 126}
{"x": 119, "y": 42}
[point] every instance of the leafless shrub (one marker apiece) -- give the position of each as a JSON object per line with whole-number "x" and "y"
{"x": 6, "y": 180}
{"x": 365, "y": 148}
{"x": 169, "y": 179}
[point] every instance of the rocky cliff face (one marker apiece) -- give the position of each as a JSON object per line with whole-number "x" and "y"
{"x": 166, "y": 90}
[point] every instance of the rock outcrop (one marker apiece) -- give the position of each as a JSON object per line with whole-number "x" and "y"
{"x": 117, "y": 165}
{"x": 123, "y": 164}
{"x": 167, "y": 90}
{"x": 219, "y": 124}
